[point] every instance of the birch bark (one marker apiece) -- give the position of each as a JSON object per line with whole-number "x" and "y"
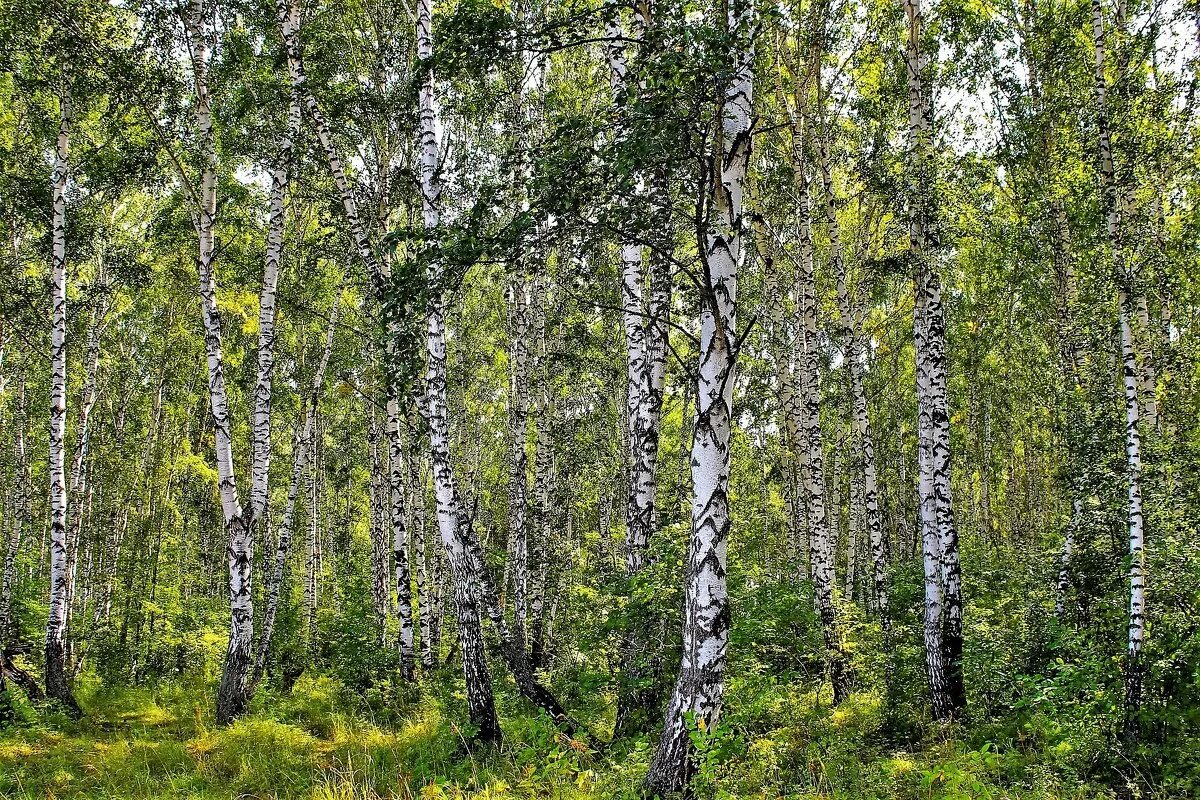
{"x": 645, "y": 317}
{"x": 233, "y": 694}
{"x": 856, "y": 357}
{"x": 57, "y": 684}
{"x": 301, "y": 449}
{"x": 943, "y": 599}
{"x": 699, "y": 687}
{"x": 1122, "y": 273}
{"x": 467, "y": 589}
{"x": 403, "y": 580}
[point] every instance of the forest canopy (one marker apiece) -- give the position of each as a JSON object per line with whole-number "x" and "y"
{"x": 599, "y": 398}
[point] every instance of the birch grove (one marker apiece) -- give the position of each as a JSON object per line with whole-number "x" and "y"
{"x": 635, "y": 398}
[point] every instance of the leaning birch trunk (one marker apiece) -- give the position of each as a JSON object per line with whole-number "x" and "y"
{"x": 1122, "y": 273}
{"x": 467, "y": 592}
{"x": 512, "y": 641}
{"x": 300, "y": 449}
{"x": 260, "y": 447}
{"x": 699, "y": 687}
{"x": 856, "y": 355}
{"x": 287, "y": 14}
{"x": 943, "y": 600}
{"x": 396, "y": 475}
{"x": 233, "y": 694}
{"x": 57, "y": 684}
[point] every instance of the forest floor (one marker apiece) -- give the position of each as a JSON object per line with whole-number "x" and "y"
{"x": 321, "y": 741}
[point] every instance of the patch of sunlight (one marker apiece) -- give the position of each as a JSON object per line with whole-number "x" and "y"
{"x": 342, "y": 791}
{"x": 422, "y": 727}
{"x": 16, "y": 751}
{"x": 900, "y": 764}
{"x": 152, "y": 714}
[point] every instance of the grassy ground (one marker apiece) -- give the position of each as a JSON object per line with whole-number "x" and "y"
{"x": 321, "y": 741}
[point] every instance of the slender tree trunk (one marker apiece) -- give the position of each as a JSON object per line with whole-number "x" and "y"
{"x": 301, "y": 449}
{"x": 467, "y": 591}
{"x": 19, "y": 523}
{"x": 57, "y": 684}
{"x": 312, "y": 566}
{"x": 518, "y": 503}
{"x": 79, "y": 492}
{"x": 426, "y": 571}
{"x": 822, "y": 528}
{"x": 396, "y": 475}
{"x": 856, "y": 356}
{"x": 943, "y": 607}
{"x": 543, "y": 477}
{"x": 233, "y": 694}
{"x": 1123, "y": 274}
{"x": 380, "y": 528}
{"x": 645, "y": 317}
{"x": 699, "y": 688}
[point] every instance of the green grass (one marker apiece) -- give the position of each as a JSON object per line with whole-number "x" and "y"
{"x": 321, "y": 741}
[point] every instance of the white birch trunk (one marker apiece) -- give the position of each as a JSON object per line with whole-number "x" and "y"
{"x": 518, "y": 502}
{"x": 822, "y": 534}
{"x": 57, "y": 685}
{"x": 943, "y": 603}
{"x": 19, "y": 522}
{"x": 426, "y": 571}
{"x": 79, "y": 492}
{"x": 698, "y": 690}
{"x": 1122, "y": 273}
{"x": 403, "y": 579}
{"x": 467, "y": 591}
{"x": 301, "y": 449}
{"x": 380, "y": 527}
{"x": 233, "y": 694}
{"x": 856, "y": 356}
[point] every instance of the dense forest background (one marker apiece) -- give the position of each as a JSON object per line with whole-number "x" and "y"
{"x": 600, "y": 399}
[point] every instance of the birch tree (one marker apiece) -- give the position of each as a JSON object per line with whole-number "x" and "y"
{"x": 57, "y": 685}
{"x": 1123, "y": 276}
{"x": 939, "y": 536}
{"x": 645, "y": 318}
{"x": 699, "y": 687}
{"x": 301, "y": 450}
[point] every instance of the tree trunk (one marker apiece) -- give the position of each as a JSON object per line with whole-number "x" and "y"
{"x": 822, "y": 536}
{"x": 467, "y": 591}
{"x": 396, "y": 475}
{"x": 645, "y": 319}
{"x": 233, "y": 694}
{"x": 19, "y": 522}
{"x": 543, "y": 477}
{"x": 518, "y": 481}
{"x": 57, "y": 684}
{"x": 426, "y": 571}
{"x": 700, "y": 684}
{"x": 856, "y": 357}
{"x": 79, "y": 492}
{"x": 943, "y": 605}
{"x": 301, "y": 449}
{"x": 1123, "y": 274}
{"x": 380, "y": 527}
